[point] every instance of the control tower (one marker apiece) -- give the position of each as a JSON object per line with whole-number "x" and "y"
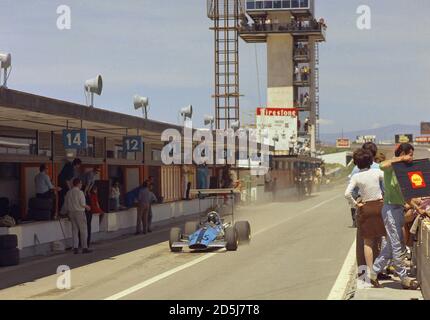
{"x": 292, "y": 34}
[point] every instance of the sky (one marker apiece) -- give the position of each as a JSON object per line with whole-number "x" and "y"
{"x": 163, "y": 49}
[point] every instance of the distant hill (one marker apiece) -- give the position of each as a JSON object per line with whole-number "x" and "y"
{"x": 382, "y": 134}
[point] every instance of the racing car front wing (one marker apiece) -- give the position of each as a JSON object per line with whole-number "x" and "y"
{"x": 216, "y": 244}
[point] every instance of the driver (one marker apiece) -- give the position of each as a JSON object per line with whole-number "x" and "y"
{"x": 213, "y": 218}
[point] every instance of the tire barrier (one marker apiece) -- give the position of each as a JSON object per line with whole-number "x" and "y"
{"x": 40, "y": 209}
{"x": 9, "y": 253}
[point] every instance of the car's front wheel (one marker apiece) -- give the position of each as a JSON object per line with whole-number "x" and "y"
{"x": 232, "y": 239}
{"x": 175, "y": 236}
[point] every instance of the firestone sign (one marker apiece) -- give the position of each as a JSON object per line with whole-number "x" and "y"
{"x": 281, "y": 126}
{"x": 277, "y": 112}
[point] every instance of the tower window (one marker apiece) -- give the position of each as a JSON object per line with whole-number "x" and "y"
{"x": 268, "y": 4}
{"x": 286, "y": 4}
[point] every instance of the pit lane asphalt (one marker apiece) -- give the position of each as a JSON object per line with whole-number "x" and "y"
{"x": 297, "y": 251}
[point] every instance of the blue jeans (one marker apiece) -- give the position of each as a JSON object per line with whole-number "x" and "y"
{"x": 393, "y": 216}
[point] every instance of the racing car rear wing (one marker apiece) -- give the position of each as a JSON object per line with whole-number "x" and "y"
{"x": 217, "y": 194}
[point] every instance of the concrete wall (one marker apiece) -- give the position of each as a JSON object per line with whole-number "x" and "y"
{"x": 36, "y": 238}
{"x": 280, "y": 71}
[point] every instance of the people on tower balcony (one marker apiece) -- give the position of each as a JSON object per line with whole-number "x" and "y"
{"x": 267, "y": 24}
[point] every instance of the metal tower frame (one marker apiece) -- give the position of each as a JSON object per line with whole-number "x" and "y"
{"x": 317, "y": 91}
{"x": 226, "y": 15}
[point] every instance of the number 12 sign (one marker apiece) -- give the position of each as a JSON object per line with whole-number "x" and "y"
{"x": 75, "y": 139}
{"x": 132, "y": 144}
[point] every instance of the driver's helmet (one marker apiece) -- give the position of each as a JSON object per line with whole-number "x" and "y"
{"x": 214, "y": 218}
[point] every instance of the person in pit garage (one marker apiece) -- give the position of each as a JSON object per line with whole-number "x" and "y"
{"x": 44, "y": 187}
{"x": 94, "y": 209}
{"x": 69, "y": 172}
{"x": 89, "y": 179}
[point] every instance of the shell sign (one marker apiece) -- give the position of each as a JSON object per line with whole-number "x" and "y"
{"x": 417, "y": 180}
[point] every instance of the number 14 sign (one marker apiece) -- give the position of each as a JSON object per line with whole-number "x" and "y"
{"x": 75, "y": 139}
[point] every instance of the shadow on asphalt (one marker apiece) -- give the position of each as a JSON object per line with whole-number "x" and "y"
{"x": 39, "y": 267}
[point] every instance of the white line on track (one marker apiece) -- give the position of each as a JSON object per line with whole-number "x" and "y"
{"x": 166, "y": 274}
{"x": 338, "y": 291}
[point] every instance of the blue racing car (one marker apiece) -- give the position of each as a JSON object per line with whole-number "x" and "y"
{"x": 211, "y": 233}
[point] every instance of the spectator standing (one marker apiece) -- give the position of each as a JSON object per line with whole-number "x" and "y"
{"x": 145, "y": 198}
{"x": 393, "y": 216}
{"x": 380, "y": 157}
{"x": 94, "y": 209}
{"x": 226, "y": 178}
{"x": 153, "y": 199}
{"x": 297, "y": 73}
{"x": 89, "y": 179}
{"x": 373, "y": 149}
{"x": 306, "y": 125}
{"x": 268, "y": 180}
{"x": 291, "y": 145}
{"x": 76, "y": 205}
{"x": 370, "y": 225}
{"x": 115, "y": 194}
{"x": 202, "y": 176}
{"x": 69, "y": 172}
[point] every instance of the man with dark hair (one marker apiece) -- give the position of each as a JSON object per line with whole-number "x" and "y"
{"x": 393, "y": 216}
{"x": 66, "y": 176}
{"x": 363, "y": 159}
{"x": 76, "y": 205}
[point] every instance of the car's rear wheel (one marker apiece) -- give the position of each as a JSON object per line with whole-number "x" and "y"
{"x": 244, "y": 231}
{"x": 231, "y": 238}
{"x": 191, "y": 227}
{"x": 175, "y": 236}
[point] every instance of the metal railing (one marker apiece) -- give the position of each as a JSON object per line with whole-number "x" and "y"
{"x": 296, "y": 27}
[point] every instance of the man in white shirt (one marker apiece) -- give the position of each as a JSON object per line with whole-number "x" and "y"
{"x": 76, "y": 205}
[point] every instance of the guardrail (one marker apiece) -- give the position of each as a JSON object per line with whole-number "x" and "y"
{"x": 310, "y": 27}
{"x": 423, "y": 257}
